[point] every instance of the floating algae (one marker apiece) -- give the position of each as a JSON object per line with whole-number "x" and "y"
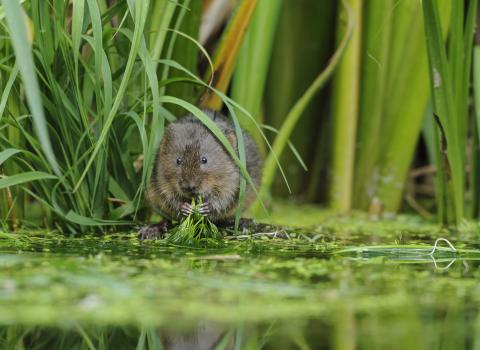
{"x": 381, "y": 280}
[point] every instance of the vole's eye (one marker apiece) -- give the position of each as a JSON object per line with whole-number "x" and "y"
{"x": 179, "y": 161}
{"x": 204, "y": 160}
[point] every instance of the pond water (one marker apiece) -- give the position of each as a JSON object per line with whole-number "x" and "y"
{"x": 341, "y": 284}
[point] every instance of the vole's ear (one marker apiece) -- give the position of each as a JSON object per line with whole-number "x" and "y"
{"x": 210, "y": 113}
{"x": 169, "y": 130}
{"x": 232, "y": 138}
{"x": 168, "y": 136}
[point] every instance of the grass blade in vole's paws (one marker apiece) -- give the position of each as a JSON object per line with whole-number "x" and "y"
{"x": 23, "y": 54}
{"x": 196, "y": 230}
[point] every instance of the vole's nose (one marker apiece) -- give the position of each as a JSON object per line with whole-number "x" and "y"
{"x": 190, "y": 188}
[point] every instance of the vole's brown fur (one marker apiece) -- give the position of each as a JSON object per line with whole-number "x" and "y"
{"x": 191, "y": 162}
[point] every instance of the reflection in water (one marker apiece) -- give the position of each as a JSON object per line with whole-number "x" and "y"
{"x": 449, "y": 327}
{"x": 206, "y": 335}
{"x": 101, "y": 293}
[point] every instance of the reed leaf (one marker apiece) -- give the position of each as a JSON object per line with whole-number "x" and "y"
{"x": 405, "y": 101}
{"x": 345, "y": 109}
{"x": 374, "y": 69}
{"x": 227, "y": 53}
{"x": 253, "y": 62}
{"x": 449, "y": 80}
{"x": 304, "y": 44}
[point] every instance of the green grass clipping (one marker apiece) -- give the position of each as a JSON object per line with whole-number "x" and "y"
{"x": 196, "y": 230}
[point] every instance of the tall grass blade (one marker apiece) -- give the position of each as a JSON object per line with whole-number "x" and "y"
{"x": 25, "y": 177}
{"x": 7, "y": 153}
{"x": 476, "y": 106}
{"x": 18, "y": 34}
{"x": 185, "y": 50}
{"x": 162, "y": 13}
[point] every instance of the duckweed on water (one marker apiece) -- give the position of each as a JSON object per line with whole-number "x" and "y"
{"x": 300, "y": 289}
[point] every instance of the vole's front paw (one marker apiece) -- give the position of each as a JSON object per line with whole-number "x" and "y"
{"x": 155, "y": 231}
{"x": 186, "y": 209}
{"x": 204, "y": 209}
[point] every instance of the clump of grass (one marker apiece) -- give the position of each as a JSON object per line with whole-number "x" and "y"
{"x": 196, "y": 229}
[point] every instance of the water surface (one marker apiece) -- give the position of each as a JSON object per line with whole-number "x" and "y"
{"x": 343, "y": 284}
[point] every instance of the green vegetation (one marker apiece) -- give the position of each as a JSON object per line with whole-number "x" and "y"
{"x": 87, "y": 87}
{"x": 195, "y": 229}
{"x": 450, "y": 81}
{"x": 370, "y": 108}
{"x": 86, "y": 151}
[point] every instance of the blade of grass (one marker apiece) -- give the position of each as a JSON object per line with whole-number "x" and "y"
{"x": 291, "y": 146}
{"x": 476, "y": 106}
{"x": 18, "y": 34}
{"x": 7, "y": 89}
{"x": 7, "y": 153}
{"x": 86, "y": 221}
{"x": 304, "y": 43}
{"x": 185, "y": 51}
{"x": 160, "y": 20}
{"x": 243, "y": 159}
{"x": 25, "y": 177}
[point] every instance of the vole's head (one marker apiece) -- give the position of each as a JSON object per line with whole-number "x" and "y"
{"x": 194, "y": 163}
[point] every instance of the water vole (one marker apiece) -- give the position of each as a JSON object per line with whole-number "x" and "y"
{"x": 191, "y": 162}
